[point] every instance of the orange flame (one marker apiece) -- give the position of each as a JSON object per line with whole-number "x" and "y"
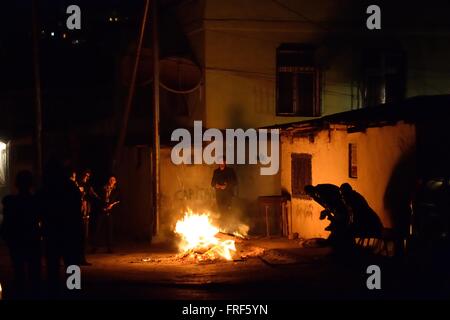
{"x": 199, "y": 235}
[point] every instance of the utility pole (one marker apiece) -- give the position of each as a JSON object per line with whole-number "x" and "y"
{"x": 37, "y": 86}
{"x": 155, "y": 145}
{"x": 126, "y": 115}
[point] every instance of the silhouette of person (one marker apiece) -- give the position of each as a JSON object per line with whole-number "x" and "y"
{"x": 224, "y": 182}
{"x": 110, "y": 199}
{"x": 60, "y": 206}
{"x": 20, "y": 231}
{"x": 88, "y": 195}
{"x": 329, "y": 197}
{"x": 364, "y": 219}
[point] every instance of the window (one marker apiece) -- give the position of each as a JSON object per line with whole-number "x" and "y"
{"x": 352, "y": 161}
{"x": 384, "y": 79}
{"x": 298, "y": 82}
{"x": 300, "y": 174}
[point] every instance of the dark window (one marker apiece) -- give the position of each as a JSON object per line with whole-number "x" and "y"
{"x": 298, "y": 82}
{"x": 300, "y": 174}
{"x": 384, "y": 79}
{"x": 352, "y": 161}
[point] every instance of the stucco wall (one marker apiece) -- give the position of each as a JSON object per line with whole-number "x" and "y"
{"x": 189, "y": 186}
{"x": 182, "y": 186}
{"x": 379, "y": 151}
{"x": 236, "y": 42}
{"x": 133, "y": 219}
{"x": 241, "y": 38}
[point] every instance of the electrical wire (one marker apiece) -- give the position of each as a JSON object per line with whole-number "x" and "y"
{"x": 287, "y": 8}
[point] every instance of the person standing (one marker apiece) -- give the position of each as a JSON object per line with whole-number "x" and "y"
{"x": 224, "y": 181}
{"x": 20, "y": 230}
{"x": 88, "y": 195}
{"x": 110, "y": 199}
{"x": 60, "y": 206}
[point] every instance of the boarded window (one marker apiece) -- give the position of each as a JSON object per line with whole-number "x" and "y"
{"x": 352, "y": 161}
{"x": 298, "y": 82}
{"x": 300, "y": 174}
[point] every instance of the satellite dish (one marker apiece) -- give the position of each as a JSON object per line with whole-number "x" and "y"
{"x": 177, "y": 74}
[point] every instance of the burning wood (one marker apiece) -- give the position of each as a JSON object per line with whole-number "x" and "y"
{"x": 203, "y": 241}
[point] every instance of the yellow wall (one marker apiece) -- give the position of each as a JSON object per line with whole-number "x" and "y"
{"x": 378, "y": 151}
{"x": 236, "y": 42}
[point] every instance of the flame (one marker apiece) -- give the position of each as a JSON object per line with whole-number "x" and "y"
{"x": 199, "y": 236}
{"x": 242, "y": 231}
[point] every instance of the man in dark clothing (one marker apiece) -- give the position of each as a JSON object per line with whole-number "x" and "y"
{"x": 88, "y": 196}
{"x": 224, "y": 181}
{"x": 111, "y": 199}
{"x": 329, "y": 197}
{"x": 364, "y": 220}
{"x": 60, "y": 205}
{"x": 20, "y": 230}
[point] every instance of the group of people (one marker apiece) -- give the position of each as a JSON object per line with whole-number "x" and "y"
{"x": 53, "y": 222}
{"x": 347, "y": 210}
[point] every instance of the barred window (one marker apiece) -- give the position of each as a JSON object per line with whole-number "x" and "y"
{"x": 298, "y": 82}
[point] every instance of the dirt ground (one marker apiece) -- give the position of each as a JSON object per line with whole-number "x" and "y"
{"x": 279, "y": 269}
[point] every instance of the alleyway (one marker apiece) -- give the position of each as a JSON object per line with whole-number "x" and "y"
{"x": 284, "y": 272}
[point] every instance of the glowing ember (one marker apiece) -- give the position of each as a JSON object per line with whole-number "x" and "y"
{"x": 199, "y": 238}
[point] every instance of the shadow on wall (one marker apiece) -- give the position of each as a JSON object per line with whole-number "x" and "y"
{"x": 399, "y": 191}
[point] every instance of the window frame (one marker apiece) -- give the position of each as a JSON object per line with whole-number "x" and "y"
{"x": 383, "y": 65}
{"x": 296, "y": 68}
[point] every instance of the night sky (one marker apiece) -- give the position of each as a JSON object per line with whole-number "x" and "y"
{"x": 78, "y": 68}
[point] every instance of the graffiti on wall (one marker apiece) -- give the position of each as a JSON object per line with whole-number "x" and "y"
{"x": 194, "y": 194}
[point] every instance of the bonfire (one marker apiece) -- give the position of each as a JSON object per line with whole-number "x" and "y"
{"x": 202, "y": 240}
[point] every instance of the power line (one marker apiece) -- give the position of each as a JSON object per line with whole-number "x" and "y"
{"x": 301, "y": 15}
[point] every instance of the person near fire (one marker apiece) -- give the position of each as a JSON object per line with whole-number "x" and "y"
{"x": 110, "y": 199}
{"x": 224, "y": 181}
{"x": 88, "y": 196}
